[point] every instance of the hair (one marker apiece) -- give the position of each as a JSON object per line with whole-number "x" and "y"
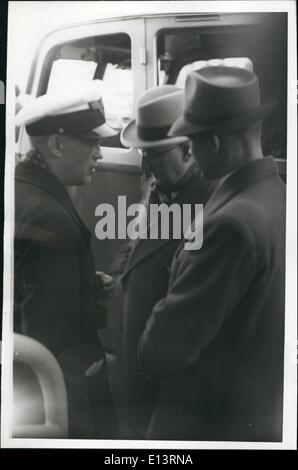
{"x": 40, "y": 144}
{"x": 247, "y": 134}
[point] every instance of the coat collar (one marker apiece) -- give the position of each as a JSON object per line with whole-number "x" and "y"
{"x": 237, "y": 181}
{"x": 37, "y": 176}
{"x": 197, "y": 191}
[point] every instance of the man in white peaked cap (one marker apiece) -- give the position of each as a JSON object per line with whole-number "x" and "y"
{"x": 56, "y": 294}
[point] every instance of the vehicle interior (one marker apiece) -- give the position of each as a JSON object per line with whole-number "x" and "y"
{"x": 177, "y": 49}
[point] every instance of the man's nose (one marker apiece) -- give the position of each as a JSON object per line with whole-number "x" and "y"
{"x": 97, "y": 155}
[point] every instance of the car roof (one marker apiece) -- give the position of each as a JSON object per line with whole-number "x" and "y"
{"x": 175, "y": 13}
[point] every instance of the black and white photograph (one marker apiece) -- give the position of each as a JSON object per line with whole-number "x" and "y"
{"x": 150, "y": 231}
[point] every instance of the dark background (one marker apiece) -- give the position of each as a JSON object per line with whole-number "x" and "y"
{"x": 3, "y": 47}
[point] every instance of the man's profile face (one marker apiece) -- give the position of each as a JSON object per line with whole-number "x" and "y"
{"x": 79, "y": 159}
{"x": 166, "y": 164}
{"x": 205, "y": 154}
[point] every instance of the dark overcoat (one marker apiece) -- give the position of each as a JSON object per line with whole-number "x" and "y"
{"x": 55, "y": 295}
{"x": 216, "y": 340}
{"x": 144, "y": 282}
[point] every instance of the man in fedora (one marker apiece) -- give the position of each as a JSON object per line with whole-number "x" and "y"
{"x": 57, "y": 298}
{"x": 146, "y": 262}
{"x": 216, "y": 340}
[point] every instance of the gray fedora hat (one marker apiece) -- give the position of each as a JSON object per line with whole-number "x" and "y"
{"x": 156, "y": 110}
{"x": 221, "y": 98}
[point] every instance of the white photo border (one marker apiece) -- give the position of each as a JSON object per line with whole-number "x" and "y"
{"x": 290, "y": 353}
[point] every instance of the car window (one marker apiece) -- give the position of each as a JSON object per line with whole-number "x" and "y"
{"x": 62, "y": 69}
{"x": 107, "y": 58}
{"x": 262, "y": 47}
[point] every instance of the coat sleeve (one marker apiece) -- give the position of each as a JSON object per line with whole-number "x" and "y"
{"x": 47, "y": 281}
{"x": 207, "y": 285}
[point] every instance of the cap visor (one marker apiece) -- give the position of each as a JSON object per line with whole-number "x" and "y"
{"x": 100, "y": 132}
{"x": 129, "y": 137}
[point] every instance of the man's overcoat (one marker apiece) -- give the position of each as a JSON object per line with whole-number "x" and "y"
{"x": 55, "y": 295}
{"x": 216, "y": 340}
{"x": 145, "y": 281}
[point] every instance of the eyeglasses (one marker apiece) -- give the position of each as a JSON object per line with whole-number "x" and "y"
{"x": 151, "y": 155}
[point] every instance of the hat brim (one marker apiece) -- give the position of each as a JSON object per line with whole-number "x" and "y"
{"x": 100, "y": 132}
{"x": 129, "y": 138}
{"x": 182, "y": 126}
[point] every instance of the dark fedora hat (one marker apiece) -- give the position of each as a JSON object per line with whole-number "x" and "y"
{"x": 221, "y": 98}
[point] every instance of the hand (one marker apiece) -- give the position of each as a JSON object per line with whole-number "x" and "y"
{"x": 104, "y": 285}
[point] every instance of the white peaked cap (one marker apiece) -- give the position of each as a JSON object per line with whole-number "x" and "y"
{"x": 64, "y": 102}
{"x": 60, "y": 102}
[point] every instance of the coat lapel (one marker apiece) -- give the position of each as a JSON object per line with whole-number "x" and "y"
{"x": 33, "y": 174}
{"x": 236, "y": 182}
{"x": 141, "y": 251}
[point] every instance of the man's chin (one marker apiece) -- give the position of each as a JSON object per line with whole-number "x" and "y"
{"x": 210, "y": 173}
{"x": 164, "y": 186}
{"x": 87, "y": 179}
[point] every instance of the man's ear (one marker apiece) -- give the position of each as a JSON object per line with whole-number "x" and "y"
{"x": 187, "y": 152}
{"x": 55, "y": 145}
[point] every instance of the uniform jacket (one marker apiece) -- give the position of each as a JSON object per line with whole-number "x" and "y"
{"x": 216, "y": 339}
{"x": 145, "y": 281}
{"x": 55, "y": 296}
